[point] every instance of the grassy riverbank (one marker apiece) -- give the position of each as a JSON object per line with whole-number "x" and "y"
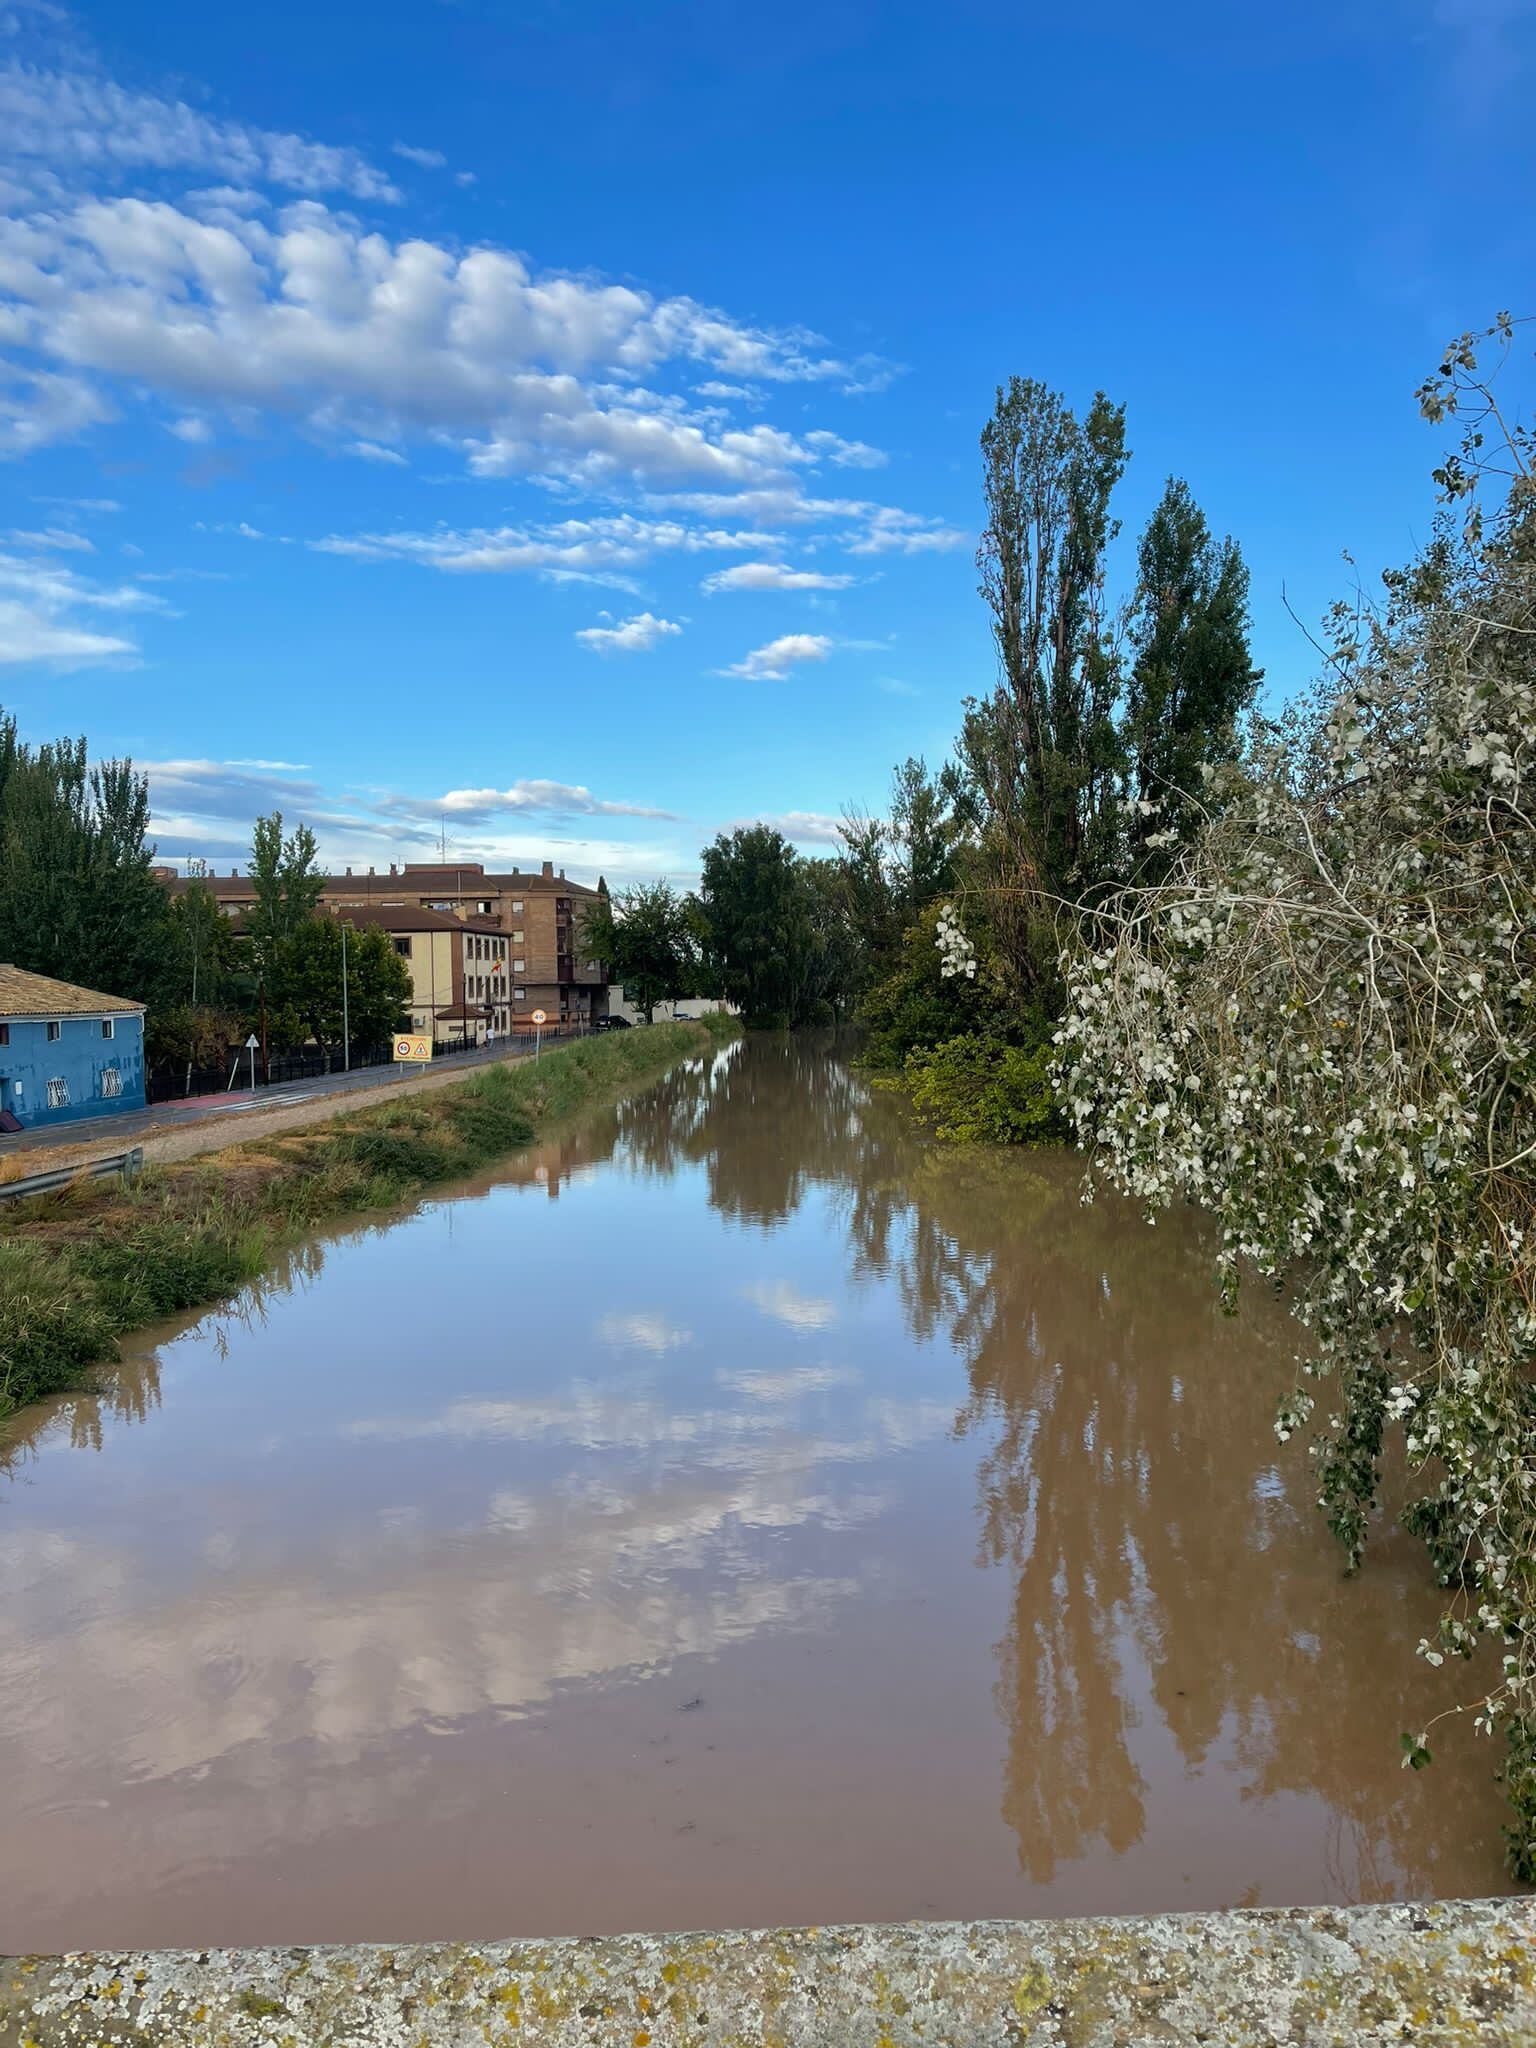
{"x": 80, "y": 1269}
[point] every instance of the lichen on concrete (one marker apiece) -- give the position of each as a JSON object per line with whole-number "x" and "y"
{"x": 1433, "y": 1975}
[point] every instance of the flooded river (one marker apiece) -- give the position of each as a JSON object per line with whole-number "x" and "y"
{"x": 740, "y": 1511}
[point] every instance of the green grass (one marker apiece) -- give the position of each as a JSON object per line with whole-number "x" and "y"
{"x": 80, "y": 1269}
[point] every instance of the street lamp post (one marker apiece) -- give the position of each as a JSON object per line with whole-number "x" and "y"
{"x": 346, "y": 1014}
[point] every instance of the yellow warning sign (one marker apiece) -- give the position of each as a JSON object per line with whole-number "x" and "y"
{"x": 413, "y": 1048}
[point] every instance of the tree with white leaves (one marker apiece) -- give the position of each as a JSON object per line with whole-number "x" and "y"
{"x": 1321, "y": 1025}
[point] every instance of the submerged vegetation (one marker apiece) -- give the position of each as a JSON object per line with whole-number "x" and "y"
{"x": 80, "y": 1269}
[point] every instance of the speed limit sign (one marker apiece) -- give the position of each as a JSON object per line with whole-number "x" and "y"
{"x": 539, "y": 1017}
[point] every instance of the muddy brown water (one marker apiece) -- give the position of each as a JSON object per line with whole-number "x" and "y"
{"x": 739, "y": 1512}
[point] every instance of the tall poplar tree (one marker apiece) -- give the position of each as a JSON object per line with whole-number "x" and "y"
{"x": 1042, "y": 750}
{"x": 1191, "y": 670}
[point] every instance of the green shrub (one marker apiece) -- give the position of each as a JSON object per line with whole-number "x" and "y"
{"x": 50, "y": 1327}
{"x": 489, "y": 1126}
{"x": 389, "y": 1155}
{"x": 163, "y": 1266}
{"x": 978, "y": 1091}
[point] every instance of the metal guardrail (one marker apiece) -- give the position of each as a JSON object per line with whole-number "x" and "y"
{"x": 126, "y": 1163}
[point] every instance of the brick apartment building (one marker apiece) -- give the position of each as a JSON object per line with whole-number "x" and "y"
{"x": 538, "y": 914}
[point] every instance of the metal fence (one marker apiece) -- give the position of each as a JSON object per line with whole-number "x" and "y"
{"x": 233, "y": 1075}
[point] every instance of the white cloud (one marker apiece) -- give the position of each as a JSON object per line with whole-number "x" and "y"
{"x": 229, "y": 792}
{"x": 56, "y": 537}
{"x": 805, "y": 828}
{"x": 530, "y": 797}
{"x": 889, "y": 531}
{"x": 306, "y": 312}
{"x": 226, "y": 275}
{"x": 41, "y": 607}
{"x": 30, "y": 635}
{"x": 207, "y": 807}
{"x": 773, "y": 662}
{"x": 39, "y": 406}
{"x": 630, "y": 636}
{"x": 845, "y": 454}
{"x": 768, "y": 504}
{"x": 876, "y": 529}
{"x": 371, "y": 451}
{"x": 79, "y": 121}
{"x": 605, "y": 549}
{"x": 773, "y": 576}
{"x": 83, "y": 504}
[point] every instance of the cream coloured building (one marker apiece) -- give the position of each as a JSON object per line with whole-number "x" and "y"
{"x": 460, "y": 967}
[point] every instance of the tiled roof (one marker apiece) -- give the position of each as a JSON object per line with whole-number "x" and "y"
{"x": 39, "y": 995}
{"x": 410, "y": 917}
{"x": 424, "y": 881}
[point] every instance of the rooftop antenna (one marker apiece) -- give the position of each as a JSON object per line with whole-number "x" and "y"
{"x": 442, "y": 839}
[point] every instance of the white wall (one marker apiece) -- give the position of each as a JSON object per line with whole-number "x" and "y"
{"x": 690, "y": 1006}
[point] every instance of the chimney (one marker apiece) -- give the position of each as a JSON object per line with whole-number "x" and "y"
{"x": 370, "y": 874}
{"x": 562, "y": 874}
{"x": 349, "y": 874}
{"x": 548, "y": 871}
{"x": 392, "y": 869}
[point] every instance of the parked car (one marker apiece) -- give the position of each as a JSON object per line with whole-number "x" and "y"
{"x": 612, "y": 1024}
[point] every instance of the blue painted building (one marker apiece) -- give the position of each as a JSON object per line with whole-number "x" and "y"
{"x": 66, "y": 1053}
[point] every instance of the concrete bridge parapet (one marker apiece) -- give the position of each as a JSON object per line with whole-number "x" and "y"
{"x": 1433, "y": 1975}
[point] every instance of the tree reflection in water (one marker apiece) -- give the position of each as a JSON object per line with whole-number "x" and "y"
{"x": 1128, "y": 1475}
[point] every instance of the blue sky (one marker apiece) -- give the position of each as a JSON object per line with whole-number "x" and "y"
{"x": 554, "y": 426}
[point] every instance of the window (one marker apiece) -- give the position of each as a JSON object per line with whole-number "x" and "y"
{"x": 517, "y": 938}
{"x": 518, "y": 994}
{"x": 403, "y": 948}
{"x": 484, "y": 907}
{"x": 517, "y": 907}
{"x": 5, "y": 1034}
{"x": 111, "y": 1080}
{"x": 109, "y": 1027}
{"x": 519, "y": 966}
{"x": 55, "y": 1030}
{"x": 58, "y": 1093}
